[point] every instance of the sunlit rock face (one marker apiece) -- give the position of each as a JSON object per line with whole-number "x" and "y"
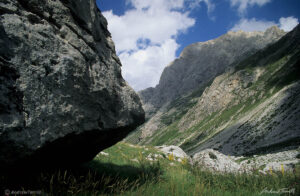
{"x": 62, "y": 97}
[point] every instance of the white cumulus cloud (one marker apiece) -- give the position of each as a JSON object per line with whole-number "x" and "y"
{"x": 249, "y": 25}
{"x": 286, "y": 24}
{"x": 242, "y": 5}
{"x": 144, "y": 66}
{"x": 145, "y": 36}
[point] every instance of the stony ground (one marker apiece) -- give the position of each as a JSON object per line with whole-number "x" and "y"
{"x": 215, "y": 161}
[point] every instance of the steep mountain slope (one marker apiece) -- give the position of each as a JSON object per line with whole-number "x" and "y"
{"x": 201, "y": 62}
{"x": 184, "y": 80}
{"x": 253, "y": 107}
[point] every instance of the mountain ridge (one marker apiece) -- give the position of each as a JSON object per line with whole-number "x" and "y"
{"x": 201, "y": 62}
{"x": 245, "y": 110}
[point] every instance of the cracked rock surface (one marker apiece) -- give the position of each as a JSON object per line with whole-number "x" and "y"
{"x": 62, "y": 95}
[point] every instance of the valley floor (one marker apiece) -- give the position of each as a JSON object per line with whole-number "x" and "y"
{"x": 126, "y": 169}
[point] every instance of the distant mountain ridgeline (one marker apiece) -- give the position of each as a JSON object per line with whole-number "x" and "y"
{"x": 245, "y": 96}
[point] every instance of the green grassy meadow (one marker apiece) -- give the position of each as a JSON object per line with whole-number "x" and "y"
{"x": 125, "y": 170}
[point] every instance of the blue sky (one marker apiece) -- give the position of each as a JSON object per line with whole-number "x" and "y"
{"x": 150, "y": 34}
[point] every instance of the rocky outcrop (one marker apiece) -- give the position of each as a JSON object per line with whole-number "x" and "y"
{"x": 173, "y": 150}
{"x": 215, "y": 161}
{"x": 201, "y": 62}
{"x": 62, "y": 97}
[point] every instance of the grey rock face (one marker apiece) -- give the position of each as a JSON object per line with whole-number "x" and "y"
{"x": 62, "y": 96}
{"x": 201, "y": 62}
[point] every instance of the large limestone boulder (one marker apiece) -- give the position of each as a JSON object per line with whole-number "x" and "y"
{"x": 62, "y": 96}
{"x": 173, "y": 150}
{"x": 215, "y": 161}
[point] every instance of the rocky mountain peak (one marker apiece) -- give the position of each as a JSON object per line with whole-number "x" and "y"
{"x": 274, "y": 30}
{"x": 272, "y": 33}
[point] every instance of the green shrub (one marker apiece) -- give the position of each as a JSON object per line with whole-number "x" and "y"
{"x": 212, "y": 155}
